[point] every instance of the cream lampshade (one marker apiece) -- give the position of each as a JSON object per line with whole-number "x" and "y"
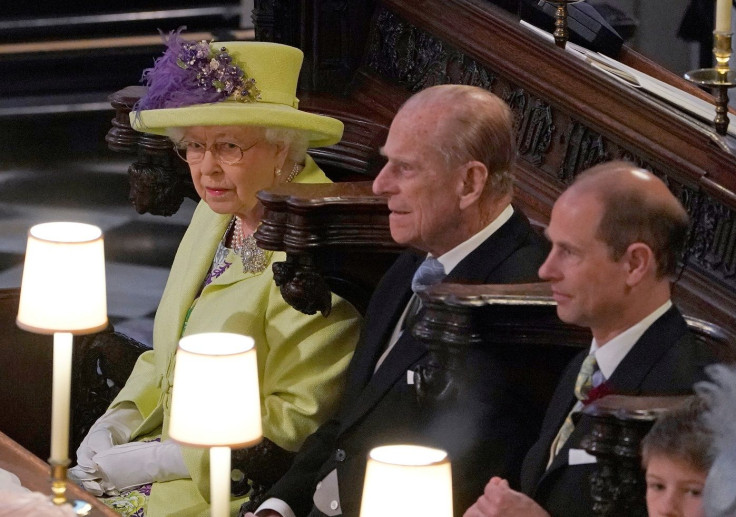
{"x": 216, "y": 403}
{"x": 407, "y": 480}
{"x": 63, "y": 284}
{"x": 63, "y": 293}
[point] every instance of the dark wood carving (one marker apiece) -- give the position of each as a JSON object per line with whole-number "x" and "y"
{"x": 619, "y": 423}
{"x": 331, "y": 56}
{"x": 517, "y": 322}
{"x": 159, "y": 181}
{"x": 336, "y": 238}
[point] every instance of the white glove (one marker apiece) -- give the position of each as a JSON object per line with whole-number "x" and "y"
{"x": 112, "y": 428}
{"x": 137, "y": 463}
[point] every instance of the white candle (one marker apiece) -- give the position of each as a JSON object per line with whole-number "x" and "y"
{"x": 60, "y": 397}
{"x": 723, "y": 15}
{"x": 220, "y": 481}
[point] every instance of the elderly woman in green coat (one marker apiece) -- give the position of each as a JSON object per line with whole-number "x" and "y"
{"x": 231, "y": 111}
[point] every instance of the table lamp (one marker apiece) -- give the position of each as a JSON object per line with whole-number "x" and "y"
{"x": 212, "y": 370}
{"x": 62, "y": 293}
{"x": 407, "y": 480}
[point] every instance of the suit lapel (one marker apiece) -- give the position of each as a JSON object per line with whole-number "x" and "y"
{"x": 390, "y": 300}
{"x": 187, "y": 272}
{"x": 367, "y": 389}
{"x": 195, "y": 266}
{"x": 647, "y": 352}
{"x": 481, "y": 264}
{"x": 406, "y": 352}
{"x": 631, "y": 372}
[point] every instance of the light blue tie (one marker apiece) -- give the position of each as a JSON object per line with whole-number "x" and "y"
{"x": 430, "y": 272}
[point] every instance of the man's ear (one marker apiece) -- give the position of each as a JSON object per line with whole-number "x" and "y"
{"x": 474, "y": 176}
{"x": 639, "y": 262}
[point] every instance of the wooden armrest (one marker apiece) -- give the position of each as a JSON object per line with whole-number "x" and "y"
{"x": 516, "y": 323}
{"x": 336, "y": 238}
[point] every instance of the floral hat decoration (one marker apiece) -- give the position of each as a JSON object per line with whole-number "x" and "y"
{"x": 250, "y": 83}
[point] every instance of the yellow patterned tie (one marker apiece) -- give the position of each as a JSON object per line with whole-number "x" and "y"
{"x": 583, "y": 385}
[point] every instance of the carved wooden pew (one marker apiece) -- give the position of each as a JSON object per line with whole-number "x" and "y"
{"x": 517, "y": 322}
{"x": 336, "y": 238}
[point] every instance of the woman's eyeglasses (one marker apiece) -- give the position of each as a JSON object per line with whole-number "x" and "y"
{"x": 225, "y": 152}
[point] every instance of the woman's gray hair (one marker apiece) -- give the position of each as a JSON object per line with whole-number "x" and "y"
{"x": 175, "y": 134}
{"x": 295, "y": 139}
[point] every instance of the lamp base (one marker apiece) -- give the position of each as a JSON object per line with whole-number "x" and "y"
{"x": 58, "y": 489}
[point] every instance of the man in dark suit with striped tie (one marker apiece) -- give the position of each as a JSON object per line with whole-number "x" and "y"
{"x": 616, "y": 234}
{"x": 449, "y": 185}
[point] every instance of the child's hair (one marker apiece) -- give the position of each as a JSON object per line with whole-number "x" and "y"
{"x": 680, "y": 434}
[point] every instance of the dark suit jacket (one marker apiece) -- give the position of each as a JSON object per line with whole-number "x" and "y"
{"x": 666, "y": 360}
{"x": 484, "y": 436}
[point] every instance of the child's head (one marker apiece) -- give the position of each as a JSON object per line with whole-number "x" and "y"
{"x": 675, "y": 455}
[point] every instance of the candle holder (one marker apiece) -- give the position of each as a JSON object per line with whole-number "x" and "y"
{"x": 58, "y": 489}
{"x": 561, "y": 33}
{"x": 720, "y": 78}
{"x": 58, "y": 481}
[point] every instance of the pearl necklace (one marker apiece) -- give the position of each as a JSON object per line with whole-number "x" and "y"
{"x": 253, "y": 258}
{"x": 293, "y": 173}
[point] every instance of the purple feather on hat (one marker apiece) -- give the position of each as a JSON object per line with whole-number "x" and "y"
{"x": 193, "y": 73}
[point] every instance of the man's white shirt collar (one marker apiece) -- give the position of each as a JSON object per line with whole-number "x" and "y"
{"x": 610, "y": 356}
{"x": 453, "y": 257}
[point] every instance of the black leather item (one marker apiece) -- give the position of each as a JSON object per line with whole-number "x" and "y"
{"x": 585, "y": 25}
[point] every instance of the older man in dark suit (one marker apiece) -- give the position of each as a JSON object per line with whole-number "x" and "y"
{"x": 449, "y": 186}
{"x": 616, "y": 234}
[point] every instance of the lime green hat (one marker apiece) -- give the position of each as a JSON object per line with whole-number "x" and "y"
{"x": 232, "y": 83}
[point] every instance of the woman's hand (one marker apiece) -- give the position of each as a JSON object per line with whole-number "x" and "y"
{"x": 113, "y": 428}
{"x": 138, "y": 463}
